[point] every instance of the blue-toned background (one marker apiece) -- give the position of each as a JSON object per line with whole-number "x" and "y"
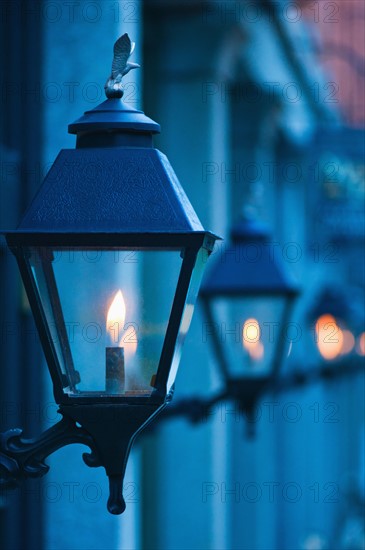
{"x": 261, "y": 106}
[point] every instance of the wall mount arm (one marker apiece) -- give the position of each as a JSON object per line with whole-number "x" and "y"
{"x": 22, "y": 458}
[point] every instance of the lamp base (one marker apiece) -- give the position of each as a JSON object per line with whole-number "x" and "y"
{"x": 108, "y": 430}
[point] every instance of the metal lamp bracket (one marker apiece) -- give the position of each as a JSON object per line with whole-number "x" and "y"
{"x": 109, "y": 438}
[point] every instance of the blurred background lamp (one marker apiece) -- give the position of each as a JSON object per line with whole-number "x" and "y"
{"x": 247, "y": 298}
{"x": 337, "y": 323}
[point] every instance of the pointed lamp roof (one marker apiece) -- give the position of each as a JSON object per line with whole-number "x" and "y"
{"x": 247, "y": 266}
{"x": 114, "y": 181}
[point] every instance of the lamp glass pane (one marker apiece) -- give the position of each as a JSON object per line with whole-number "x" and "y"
{"x": 191, "y": 298}
{"x": 106, "y": 337}
{"x": 248, "y": 331}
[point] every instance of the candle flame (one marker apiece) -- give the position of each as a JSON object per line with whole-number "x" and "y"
{"x": 330, "y": 338}
{"x": 124, "y": 337}
{"x": 251, "y": 339}
{"x": 116, "y": 316}
{"x": 251, "y": 332}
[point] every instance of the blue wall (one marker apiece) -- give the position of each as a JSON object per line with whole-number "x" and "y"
{"x": 299, "y": 483}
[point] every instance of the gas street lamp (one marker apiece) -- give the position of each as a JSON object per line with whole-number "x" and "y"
{"x": 337, "y": 325}
{"x": 247, "y": 298}
{"x": 111, "y": 203}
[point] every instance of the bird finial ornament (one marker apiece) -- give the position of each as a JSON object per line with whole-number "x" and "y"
{"x": 123, "y": 49}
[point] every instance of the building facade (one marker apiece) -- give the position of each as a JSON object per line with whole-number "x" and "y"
{"x": 257, "y": 118}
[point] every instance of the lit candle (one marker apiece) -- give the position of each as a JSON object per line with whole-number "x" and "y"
{"x": 251, "y": 340}
{"x": 114, "y": 361}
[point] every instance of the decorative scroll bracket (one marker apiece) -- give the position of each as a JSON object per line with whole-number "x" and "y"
{"x": 21, "y": 458}
{"x": 108, "y": 430}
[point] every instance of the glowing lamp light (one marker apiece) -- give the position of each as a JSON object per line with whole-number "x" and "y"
{"x": 251, "y": 339}
{"x": 329, "y": 337}
{"x": 119, "y": 332}
{"x": 338, "y": 319}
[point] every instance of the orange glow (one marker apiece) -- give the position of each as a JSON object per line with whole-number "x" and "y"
{"x": 361, "y": 344}
{"x": 348, "y": 342}
{"x": 330, "y": 338}
{"x": 116, "y": 316}
{"x": 251, "y": 332}
{"x": 251, "y": 339}
{"x": 124, "y": 336}
{"x": 256, "y": 351}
